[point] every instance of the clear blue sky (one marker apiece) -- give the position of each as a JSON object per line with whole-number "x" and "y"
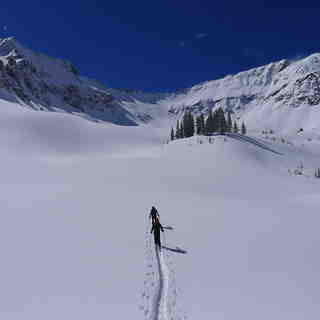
{"x": 164, "y": 45}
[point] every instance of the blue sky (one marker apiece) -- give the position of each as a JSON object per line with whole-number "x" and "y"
{"x": 164, "y": 45}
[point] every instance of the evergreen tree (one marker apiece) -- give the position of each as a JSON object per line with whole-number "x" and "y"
{"x": 229, "y": 122}
{"x": 191, "y": 125}
{"x": 181, "y": 130}
{"x": 209, "y": 123}
{"x": 197, "y": 125}
{"x": 172, "y": 134}
{"x": 221, "y": 121}
{"x": 235, "y": 127}
{"x": 202, "y": 124}
{"x": 178, "y": 130}
{"x": 243, "y": 129}
{"x": 215, "y": 121}
{"x": 185, "y": 124}
{"x": 188, "y": 124}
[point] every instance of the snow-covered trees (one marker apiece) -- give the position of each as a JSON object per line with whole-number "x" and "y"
{"x": 229, "y": 122}
{"x": 172, "y": 134}
{"x": 235, "y": 127}
{"x": 243, "y": 129}
{"x": 177, "y": 135}
{"x": 200, "y": 125}
{"x": 184, "y": 128}
{"x": 216, "y": 122}
{"x": 188, "y": 125}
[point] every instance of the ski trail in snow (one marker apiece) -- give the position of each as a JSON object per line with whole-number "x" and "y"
{"x": 160, "y": 293}
{"x": 254, "y": 141}
{"x": 161, "y": 297}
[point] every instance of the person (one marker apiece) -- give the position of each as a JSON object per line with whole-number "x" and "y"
{"x": 154, "y": 214}
{"x": 156, "y": 227}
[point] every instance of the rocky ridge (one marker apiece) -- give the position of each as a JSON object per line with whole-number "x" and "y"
{"x": 283, "y": 95}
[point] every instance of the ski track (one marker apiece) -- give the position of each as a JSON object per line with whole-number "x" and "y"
{"x": 160, "y": 302}
{"x": 254, "y": 141}
{"x": 160, "y": 293}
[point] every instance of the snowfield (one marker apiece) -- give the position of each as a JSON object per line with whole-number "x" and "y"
{"x": 75, "y": 236}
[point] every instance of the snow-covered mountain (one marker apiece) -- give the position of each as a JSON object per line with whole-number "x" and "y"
{"x": 283, "y": 96}
{"x": 44, "y": 83}
{"x": 76, "y": 195}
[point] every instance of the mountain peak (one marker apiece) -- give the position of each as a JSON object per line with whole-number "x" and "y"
{"x": 10, "y": 46}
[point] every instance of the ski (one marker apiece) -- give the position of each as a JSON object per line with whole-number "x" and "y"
{"x": 176, "y": 249}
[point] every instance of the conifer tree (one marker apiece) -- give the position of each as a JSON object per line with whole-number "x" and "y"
{"x": 202, "y": 124}
{"x": 172, "y": 134}
{"x": 215, "y": 121}
{"x": 193, "y": 127}
{"x": 185, "y": 124}
{"x": 243, "y": 129}
{"x": 178, "y": 130}
{"x": 188, "y": 124}
{"x": 209, "y": 123}
{"x": 235, "y": 127}
{"x": 229, "y": 122}
{"x": 181, "y": 131}
{"x": 221, "y": 121}
{"x": 198, "y": 125}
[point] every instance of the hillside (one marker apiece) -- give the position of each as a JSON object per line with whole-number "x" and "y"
{"x": 75, "y": 238}
{"x": 282, "y": 96}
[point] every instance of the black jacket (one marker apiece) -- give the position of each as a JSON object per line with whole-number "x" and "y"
{"x": 154, "y": 213}
{"x": 156, "y": 227}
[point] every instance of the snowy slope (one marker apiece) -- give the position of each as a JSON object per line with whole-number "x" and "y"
{"x": 43, "y": 83}
{"x": 75, "y": 234}
{"x": 283, "y": 96}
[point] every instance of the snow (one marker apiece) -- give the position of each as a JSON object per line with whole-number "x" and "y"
{"x": 56, "y": 71}
{"x": 283, "y": 96}
{"x": 75, "y": 202}
{"x": 75, "y": 236}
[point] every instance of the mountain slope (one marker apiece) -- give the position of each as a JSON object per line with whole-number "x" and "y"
{"x": 75, "y": 217}
{"x": 283, "y": 96}
{"x": 43, "y": 83}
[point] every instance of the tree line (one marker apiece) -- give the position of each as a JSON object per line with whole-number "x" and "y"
{"x": 216, "y": 122}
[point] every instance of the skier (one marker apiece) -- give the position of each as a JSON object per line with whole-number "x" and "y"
{"x": 154, "y": 215}
{"x": 156, "y": 227}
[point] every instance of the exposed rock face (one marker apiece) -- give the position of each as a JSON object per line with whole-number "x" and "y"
{"x": 269, "y": 96}
{"x": 50, "y": 84}
{"x": 291, "y": 83}
{"x": 307, "y": 90}
{"x": 284, "y": 94}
